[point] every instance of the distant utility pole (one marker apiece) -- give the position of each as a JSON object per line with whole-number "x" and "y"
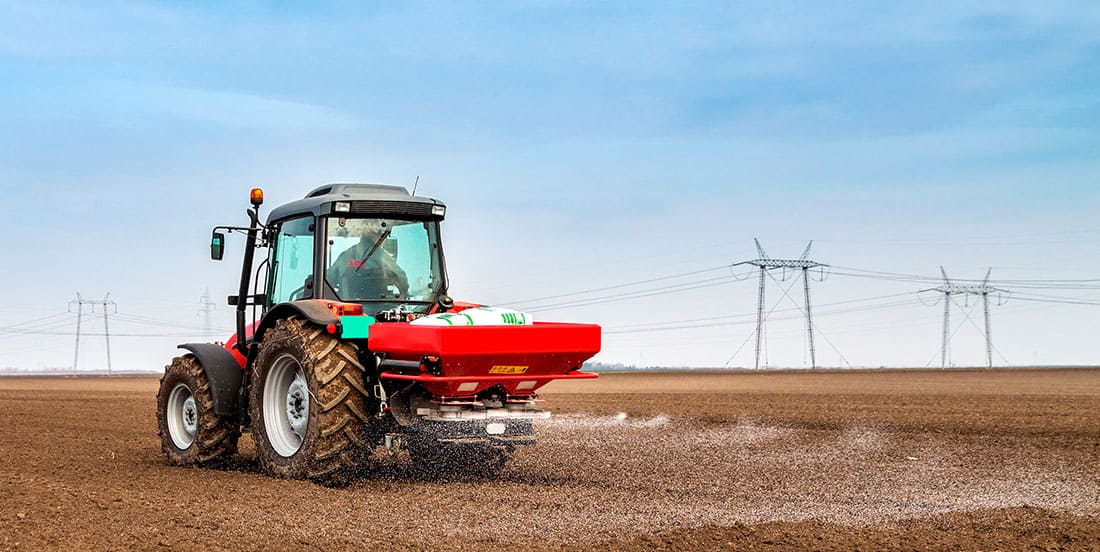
{"x": 205, "y": 307}
{"x": 948, "y": 289}
{"x": 765, "y": 263}
{"x": 107, "y": 306}
{"x": 79, "y": 316}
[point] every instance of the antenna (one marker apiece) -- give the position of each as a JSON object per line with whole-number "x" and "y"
{"x": 415, "y": 184}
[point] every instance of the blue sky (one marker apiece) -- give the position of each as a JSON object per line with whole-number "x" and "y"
{"x": 578, "y": 145}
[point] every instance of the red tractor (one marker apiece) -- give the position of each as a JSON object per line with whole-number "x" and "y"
{"x": 354, "y": 344}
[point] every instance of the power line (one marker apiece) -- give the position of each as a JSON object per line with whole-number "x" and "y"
{"x": 861, "y": 328}
{"x": 1079, "y": 283}
{"x": 36, "y": 321}
{"x": 638, "y": 294}
{"x": 25, "y": 328}
{"x": 823, "y": 308}
{"x": 955, "y": 239}
{"x": 145, "y": 321}
{"x": 658, "y": 327}
{"x": 611, "y": 287}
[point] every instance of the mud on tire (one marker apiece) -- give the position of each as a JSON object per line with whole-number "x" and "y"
{"x": 213, "y": 438}
{"x": 334, "y": 435}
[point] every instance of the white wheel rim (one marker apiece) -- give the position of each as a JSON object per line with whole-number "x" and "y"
{"x": 183, "y": 417}
{"x": 286, "y": 406}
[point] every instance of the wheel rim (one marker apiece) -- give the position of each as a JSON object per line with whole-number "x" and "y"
{"x": 183, "y": 416}
{"x": 286, "y": 406}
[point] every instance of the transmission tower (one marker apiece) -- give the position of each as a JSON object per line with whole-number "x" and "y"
{"x": 107, "y": 305}
{"x": 79, "y": 316}
{"x": 765, "y": 263}
{"x": 949, "y": 289}
{"x": 205, "y": 307}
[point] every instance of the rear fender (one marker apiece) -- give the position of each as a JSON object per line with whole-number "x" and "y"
{"x": 222, "y": 371}
{"x": 311, "y": 309}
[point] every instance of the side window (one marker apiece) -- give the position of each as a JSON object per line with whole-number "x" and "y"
{"x": 293, "y": 261}
{"x": 414, "y": 256}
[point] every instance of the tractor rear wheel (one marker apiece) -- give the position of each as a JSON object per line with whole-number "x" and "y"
{"x": 308, "y": 403}
{"x": 190, "y": 431}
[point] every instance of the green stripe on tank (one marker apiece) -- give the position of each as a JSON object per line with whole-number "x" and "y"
{"x": 356, "y": 327}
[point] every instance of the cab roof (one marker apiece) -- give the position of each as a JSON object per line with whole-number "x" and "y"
{"x": 365, "y": 199}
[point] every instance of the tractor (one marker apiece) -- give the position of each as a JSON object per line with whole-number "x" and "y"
{"x": 346, "y": 342}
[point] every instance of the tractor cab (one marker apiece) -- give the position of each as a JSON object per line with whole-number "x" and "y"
{"x": 370, "y": 248}
{"x": 355, "y": 243}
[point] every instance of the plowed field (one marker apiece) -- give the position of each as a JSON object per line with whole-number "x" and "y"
{"x": 1003, "y": 459}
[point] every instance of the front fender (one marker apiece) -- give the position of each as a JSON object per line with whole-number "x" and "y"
{"x": 222, "y": 371}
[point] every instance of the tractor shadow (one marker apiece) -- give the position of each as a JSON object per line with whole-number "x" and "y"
{"x": 377, "y": 466}
{"x": 383, "y": 468}
{"x": 242, "y": 462}
{"x": 380, "y": 466}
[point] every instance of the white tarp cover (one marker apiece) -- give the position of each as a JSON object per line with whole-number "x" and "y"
{"x": 480, "y": 316}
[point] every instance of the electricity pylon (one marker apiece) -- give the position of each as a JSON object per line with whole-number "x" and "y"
{"x": 765, "y": 263}
{"x": 206, "y": 306}
{"x": 107, "y": 305}
{"x": 950, "y": 288}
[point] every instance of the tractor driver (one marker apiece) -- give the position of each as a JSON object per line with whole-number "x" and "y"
{"x": 367, "y": 270}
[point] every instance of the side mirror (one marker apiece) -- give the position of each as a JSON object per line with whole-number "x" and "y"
{"x": 217, "y": 246}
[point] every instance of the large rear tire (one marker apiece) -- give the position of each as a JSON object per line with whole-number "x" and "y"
{"x": 191, "y": 433}
{"x": 308, "y": 403}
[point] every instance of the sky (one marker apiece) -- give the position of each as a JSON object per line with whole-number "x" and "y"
{"x": 601, "y": 163}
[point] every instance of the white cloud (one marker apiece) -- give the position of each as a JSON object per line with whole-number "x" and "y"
{"x": 220, "y": 107}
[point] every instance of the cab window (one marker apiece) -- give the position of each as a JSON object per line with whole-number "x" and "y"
{"x": 292, "y": 261}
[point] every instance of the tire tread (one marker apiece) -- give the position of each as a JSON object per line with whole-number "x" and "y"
{"x": 216, "y": 438}
{"x": 341, "y": 402}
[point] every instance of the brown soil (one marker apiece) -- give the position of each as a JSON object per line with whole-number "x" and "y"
{"x": 974, "y": 460}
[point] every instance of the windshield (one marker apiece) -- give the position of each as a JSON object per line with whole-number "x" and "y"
{"x": 383, "y": 260}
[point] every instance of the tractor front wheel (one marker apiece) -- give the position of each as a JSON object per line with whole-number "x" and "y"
{"x": 191, "y": 432}
{"x": 308, "y": 403}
